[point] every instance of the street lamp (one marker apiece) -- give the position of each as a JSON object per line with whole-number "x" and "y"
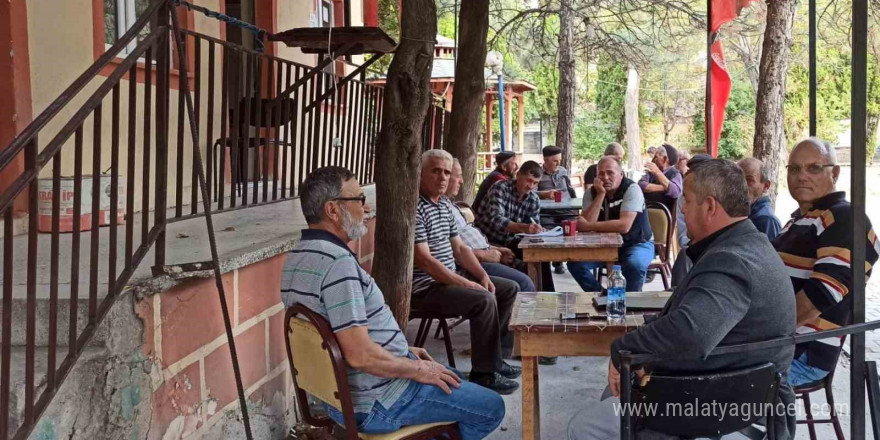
{"x": 495, "y": 61}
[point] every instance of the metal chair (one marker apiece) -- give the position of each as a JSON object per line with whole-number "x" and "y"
{"x": 319, "y": 369}
{"x": 803, "y": 392}
{"x": 661, "y": 225}
{"x": 427, "y": 319}
{"x": 755, "y": 386}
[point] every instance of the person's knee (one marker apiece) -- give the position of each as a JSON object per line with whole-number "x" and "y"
{"x": 505, "y": 288}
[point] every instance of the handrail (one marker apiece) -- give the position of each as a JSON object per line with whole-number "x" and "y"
{"x": 642, "y": 358}
{"x": 28, "y": 134}
{"x": 54, "y": 146}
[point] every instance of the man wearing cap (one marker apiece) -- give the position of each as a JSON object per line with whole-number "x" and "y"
{"x": 506, "y": 165}
{"x": 612, "y": 149}
{"x": 662, "y": 182}
{"x": 555, "y": 177}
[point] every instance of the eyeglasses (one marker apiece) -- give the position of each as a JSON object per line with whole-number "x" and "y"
{"x": 813, "y": 168}
{"x": 362, "y": 199}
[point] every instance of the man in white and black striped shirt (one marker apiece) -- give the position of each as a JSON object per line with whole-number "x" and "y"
{"x": 440, "y": 285}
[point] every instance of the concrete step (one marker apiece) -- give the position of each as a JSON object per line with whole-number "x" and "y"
{"x": 18, "y": 370}
{"x": 41, "y": 328}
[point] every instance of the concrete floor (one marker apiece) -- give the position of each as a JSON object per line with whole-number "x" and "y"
{"x": 575, "y": 383}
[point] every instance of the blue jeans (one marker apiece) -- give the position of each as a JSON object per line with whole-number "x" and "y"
{"x": 633, "y": 260}
{"x": 512, "y": 274}
{"x": 801, "y": 373}
{"x": 477, "y": 410}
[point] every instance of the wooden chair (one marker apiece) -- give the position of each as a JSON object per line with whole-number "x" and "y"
{"x": 319, "y": 369}
{"x": 803, "y": 392}
{"x": 756, "y": 387}
{"x": 664, "y": 233}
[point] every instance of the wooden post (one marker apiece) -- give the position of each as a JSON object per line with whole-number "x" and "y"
{"x": 490, "y": 107}
{"x": 508, "y": 120}
{"x": 521, "y": 126}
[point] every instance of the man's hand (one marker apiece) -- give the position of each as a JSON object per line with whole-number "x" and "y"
{"x": 421, "y": 353}
{"x": 493, "y": 255}
{"x": 652, "y": 168}
{"x": 613, "y": 379}
{"x": 597, "y": 185}
{"x": 507, "y": 256}
{"x": 486, "y": 283}
{"x": 468, "y": 284}
{"x": 534, "y": 229}
{"x": 432, "y": 373}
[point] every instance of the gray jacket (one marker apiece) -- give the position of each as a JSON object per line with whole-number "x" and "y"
{"x": 737, "y": 292}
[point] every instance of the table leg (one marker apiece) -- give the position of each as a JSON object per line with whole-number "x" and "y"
{"x": 531, "y": 408}
{"x": 536, "y": 275}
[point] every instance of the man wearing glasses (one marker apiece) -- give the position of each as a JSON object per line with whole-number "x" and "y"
{"x": 815, "y": 246}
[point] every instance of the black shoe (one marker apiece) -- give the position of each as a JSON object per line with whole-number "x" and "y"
{"x": 495, "y": 382}
{"x": 649, "y": 277}
{"x": 560, "y": 268}
{"x": 543, "y": 360}
{"x": 510, "y": 371}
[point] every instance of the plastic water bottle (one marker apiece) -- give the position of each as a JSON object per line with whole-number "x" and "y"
{"x": 616, "y": 308}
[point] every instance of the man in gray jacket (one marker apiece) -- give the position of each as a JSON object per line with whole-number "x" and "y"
{"x": 736, "y": 293}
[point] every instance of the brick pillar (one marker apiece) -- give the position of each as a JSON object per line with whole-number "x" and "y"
{"x": 16, "y": 111}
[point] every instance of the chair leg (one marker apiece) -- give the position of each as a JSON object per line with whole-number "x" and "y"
{"x": 425, "y": 332}
{"x": 664, "y": 277}
{"x": 437, "y": 333}
{"x": 419, "y": 333}
{"x": 809, "y": 413}
{"x": 450, "y": 354}
{"x": 835, "y": 421}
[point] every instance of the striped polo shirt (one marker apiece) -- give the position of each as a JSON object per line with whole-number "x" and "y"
{"x": 323, "y": 274}
{"x": 435, "y": 225}
{"x": 815, "y": 248}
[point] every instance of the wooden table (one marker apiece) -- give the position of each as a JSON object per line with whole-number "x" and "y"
{"x": 540, "y": 332}
{"x": 567, "y": 204}
{"x": 586, "y": 246}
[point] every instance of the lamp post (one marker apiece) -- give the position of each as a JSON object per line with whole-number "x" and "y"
{"x": 495, "y": 61}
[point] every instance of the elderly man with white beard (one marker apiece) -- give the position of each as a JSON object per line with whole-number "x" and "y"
{"x": 390, "y": 382}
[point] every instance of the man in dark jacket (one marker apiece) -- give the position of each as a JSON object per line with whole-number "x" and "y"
{"x": 506, "y": 165}
{"x": 758, "y": 181}
{"x": 736, "y": 293}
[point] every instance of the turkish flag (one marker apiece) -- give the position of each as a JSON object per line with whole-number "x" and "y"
{"x": 726, "y": 10}
{"x": 720, "y": 84}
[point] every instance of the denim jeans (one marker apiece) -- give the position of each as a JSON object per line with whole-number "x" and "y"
{"x": 477, "y": 410}
{"x": 633, "y": 260}
{"x": 801, "y": 373}
{"x": 512, "y": 274}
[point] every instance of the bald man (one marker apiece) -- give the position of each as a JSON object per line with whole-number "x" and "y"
{"x": 612, "y": 149}
{"x": 758, "y": 182}
{"x": 816, "y": 247}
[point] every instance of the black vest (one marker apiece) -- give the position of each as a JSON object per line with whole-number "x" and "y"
{"x": 640, "y": 231}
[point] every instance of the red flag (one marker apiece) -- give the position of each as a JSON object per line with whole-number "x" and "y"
{"x": 721, "y": 85}
{"x": 726, "y": 10}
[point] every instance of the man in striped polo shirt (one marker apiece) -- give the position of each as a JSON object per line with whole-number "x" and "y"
{"x": 815, "y": 246}
{"x": 391, "y": 383}
{"x": 463, "y": 289}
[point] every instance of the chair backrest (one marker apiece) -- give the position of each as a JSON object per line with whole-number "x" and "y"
{"x": 466, "y": 211}
{"x": 681, "y": 401}
{"x": 661, "y": 225}
{"x": 317, "y": 366}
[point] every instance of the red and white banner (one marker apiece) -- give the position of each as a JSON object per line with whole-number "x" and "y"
{"x": 721, "y": 84}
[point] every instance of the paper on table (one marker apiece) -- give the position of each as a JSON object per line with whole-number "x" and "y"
{"x": 555, "y": 232}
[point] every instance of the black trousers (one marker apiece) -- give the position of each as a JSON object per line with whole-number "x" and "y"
{"x": 489, "y": 316}
{"x": 546, "y": 272}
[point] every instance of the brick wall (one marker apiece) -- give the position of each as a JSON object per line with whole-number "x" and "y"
{"x": 192, "y": 383}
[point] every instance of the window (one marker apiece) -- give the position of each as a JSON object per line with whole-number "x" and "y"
{"x": 119, "y": 17}
{"x": 326, "y": 11}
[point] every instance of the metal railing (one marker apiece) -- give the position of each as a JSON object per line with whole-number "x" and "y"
{"x": 262, "y": 123}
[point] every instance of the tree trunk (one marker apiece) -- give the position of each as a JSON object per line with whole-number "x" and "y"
{"x": 770, "y": 142}
{"x": 470, "y": 91}
{"x": 406, "y": 101}
{"x": 631, "y": 112}
{"x": 567, "y": 83}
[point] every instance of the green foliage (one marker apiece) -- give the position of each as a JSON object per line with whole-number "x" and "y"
{"x": 738, "y": 130}
{"x": 591, "y": 134}
{"x": 610, "y": 95}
